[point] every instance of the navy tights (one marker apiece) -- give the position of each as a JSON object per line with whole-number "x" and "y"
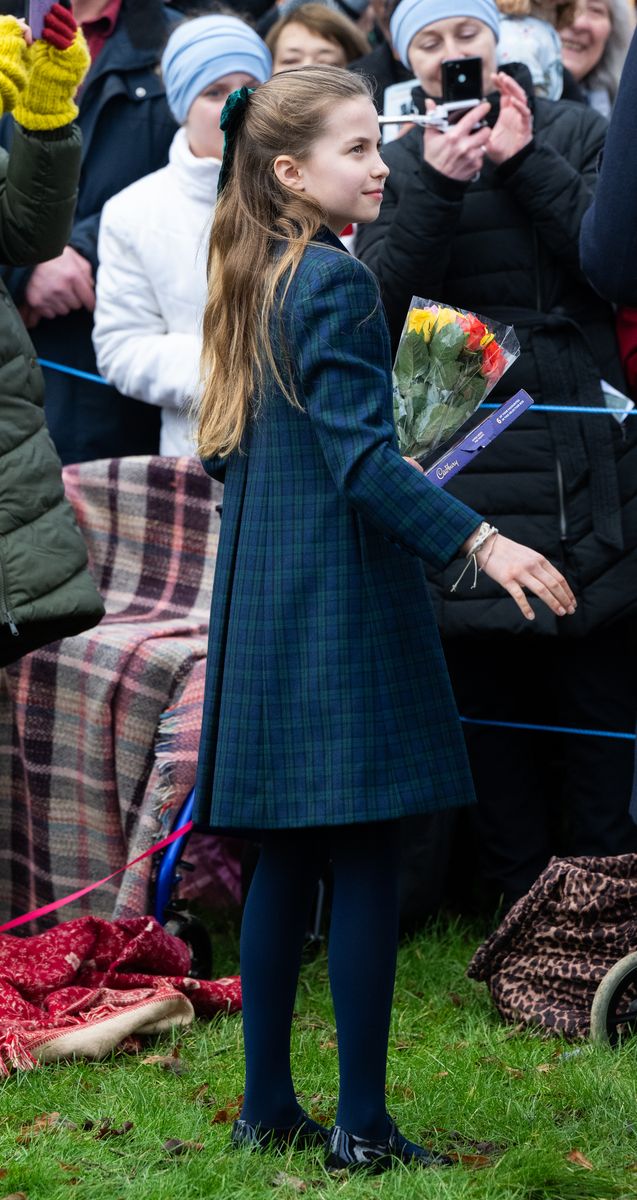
{"x": 362, "y": 962}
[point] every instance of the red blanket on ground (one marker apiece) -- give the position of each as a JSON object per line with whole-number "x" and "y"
{"x": 84, "y": 986}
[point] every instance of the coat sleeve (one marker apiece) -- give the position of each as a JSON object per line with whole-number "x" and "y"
{"x": 409, "y": 246}
{"x": 609, "y": 228}
{"x": 135, "y": 350}
{"x": 38, "y": 192}
{"x": 344, "y": 373}
{"x": 554, "y": 192}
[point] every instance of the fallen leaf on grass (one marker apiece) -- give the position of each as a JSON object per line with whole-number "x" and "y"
{"x": 473, "y": 1161}
{"x": 108, "y": 1130}
{"x": 130, "y": 1045}
{"x": 544, "y": 1068}
{"x": 224, "y": 1116}
{"x": 457, "y": 1000}
{"x": 168, "y": 1062}
{"x": 282, "y": 1179}
{"x": 16, "y": 1196}
{"x": 203, "y": 1095}
{"x": 177, "y": 1146}
{"x": 440, "y": 1074}
{"x": 515, "y": 1072}
{"x": 73, "y": 1171}
{"x": 42, "y": 1123}
{"x": 580, "y": 1160}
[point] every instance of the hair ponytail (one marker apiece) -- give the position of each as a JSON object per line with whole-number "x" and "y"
{"x": 254, "y": 213}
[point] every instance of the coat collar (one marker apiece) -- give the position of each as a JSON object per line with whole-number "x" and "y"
{"x": 197, "y": 177}
{"x": 326, "y": 238}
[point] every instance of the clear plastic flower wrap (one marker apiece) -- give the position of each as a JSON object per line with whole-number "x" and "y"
{"x": 447, "y": 362}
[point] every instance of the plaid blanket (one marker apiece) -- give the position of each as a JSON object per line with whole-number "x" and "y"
{"x": 78, "y": 719}
{"x": 85, "y": 986}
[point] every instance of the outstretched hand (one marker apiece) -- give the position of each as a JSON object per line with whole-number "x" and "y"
{"x": 513, "y": 129}
{"x": 516, "y": 567}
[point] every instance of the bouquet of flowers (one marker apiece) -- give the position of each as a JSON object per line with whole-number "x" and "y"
{"x": 448, "y": 361}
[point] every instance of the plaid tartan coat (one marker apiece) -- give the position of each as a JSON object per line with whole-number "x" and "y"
{"x": 327, "y": 697}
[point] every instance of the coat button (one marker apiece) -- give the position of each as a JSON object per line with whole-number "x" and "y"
{"x": 141, "y": 92}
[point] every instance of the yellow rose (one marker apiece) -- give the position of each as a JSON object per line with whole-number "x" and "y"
{"x": 484, "y": 341}
{"x": 446, "y": 316}
{"x": 421, "y": 320}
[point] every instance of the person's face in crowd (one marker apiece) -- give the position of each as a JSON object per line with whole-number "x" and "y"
{"x": 343, "y": 171}
{"x": 454, "y": 37}
{"x": 205, "y": 138}
{"x": 300, "y": 47}
{"x": 584, "y": 42}
{"x": 88, "y": 10}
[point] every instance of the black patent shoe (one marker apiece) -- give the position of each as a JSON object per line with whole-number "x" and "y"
{"x": 345, "y": 1151}
{"x": 305, "y": 1132}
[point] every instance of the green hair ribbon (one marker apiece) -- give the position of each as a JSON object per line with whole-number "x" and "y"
{"x": 233, "y": 113}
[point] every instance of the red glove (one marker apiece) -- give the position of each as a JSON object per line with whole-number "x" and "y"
{"x": 60, "y": 26}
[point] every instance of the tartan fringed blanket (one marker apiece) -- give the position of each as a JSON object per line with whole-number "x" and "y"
{"x": 83, "y": 987}
{"x": 78, "y": 719}
{"x": 545, "y": 961}
{"x": 215, "y": 879}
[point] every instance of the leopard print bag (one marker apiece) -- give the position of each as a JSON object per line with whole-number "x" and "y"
{"x": 544, "y": 962}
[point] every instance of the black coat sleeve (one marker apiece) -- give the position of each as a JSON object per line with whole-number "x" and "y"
{"x": 609, "y": 229}
{"x": 408, "y": 247}
{"x": 554, "y": 191}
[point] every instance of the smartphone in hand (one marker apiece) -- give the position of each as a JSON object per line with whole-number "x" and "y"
{"x": 36, "y": 12}
{"x": 461, "y": 81}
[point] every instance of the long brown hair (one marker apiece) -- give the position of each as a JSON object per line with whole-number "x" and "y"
{"x": 255, "y": 214}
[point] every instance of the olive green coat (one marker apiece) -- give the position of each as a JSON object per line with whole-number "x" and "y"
{"x": 46, "y": 591}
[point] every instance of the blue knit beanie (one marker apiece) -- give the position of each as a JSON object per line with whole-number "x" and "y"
{"x": 410, "y": 16}
{"x": 201, "y": 51}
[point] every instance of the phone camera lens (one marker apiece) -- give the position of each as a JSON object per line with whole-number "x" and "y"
{"x": 462, "y": 79}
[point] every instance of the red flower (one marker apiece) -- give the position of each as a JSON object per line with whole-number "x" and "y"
{"x": 494, "y": 362}
{"x": 475, "y": 329}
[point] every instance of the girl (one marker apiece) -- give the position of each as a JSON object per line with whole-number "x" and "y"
{"x": 328, "y": 711}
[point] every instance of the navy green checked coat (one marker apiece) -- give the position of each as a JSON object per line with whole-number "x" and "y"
{"x": 327, "y": 697}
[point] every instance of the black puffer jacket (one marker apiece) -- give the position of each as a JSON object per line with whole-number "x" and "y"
{"x": 506, "y": 247}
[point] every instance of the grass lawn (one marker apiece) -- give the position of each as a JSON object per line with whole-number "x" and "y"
{"x": 525, "y": 1117}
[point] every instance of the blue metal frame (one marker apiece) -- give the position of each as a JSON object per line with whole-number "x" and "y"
{"x": 164, "y": 882}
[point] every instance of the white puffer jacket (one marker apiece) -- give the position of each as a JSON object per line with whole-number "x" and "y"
{"x": 151, "y": 288}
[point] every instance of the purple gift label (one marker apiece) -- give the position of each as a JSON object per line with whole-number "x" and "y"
{"x": 36, "y": 13}
{"x": 465, "y": 450}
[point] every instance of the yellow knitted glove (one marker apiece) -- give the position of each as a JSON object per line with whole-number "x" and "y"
{"x": 13, "y": 62}
{"x": 47, "y": 102}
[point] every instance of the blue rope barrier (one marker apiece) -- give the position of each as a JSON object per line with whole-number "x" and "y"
{"x": 558, "y": 408}
{"x": 606, "y": 733}
{"x": 53, "y": 366}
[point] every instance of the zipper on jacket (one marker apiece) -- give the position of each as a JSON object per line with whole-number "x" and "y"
{"x": 561, "y": 502}
{"x": 6, "y": 616}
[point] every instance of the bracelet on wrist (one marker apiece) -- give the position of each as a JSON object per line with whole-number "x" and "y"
{"x": 485, "y": 532}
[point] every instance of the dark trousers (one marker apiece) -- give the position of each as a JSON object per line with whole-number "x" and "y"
{"x": 541, "y": 794}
